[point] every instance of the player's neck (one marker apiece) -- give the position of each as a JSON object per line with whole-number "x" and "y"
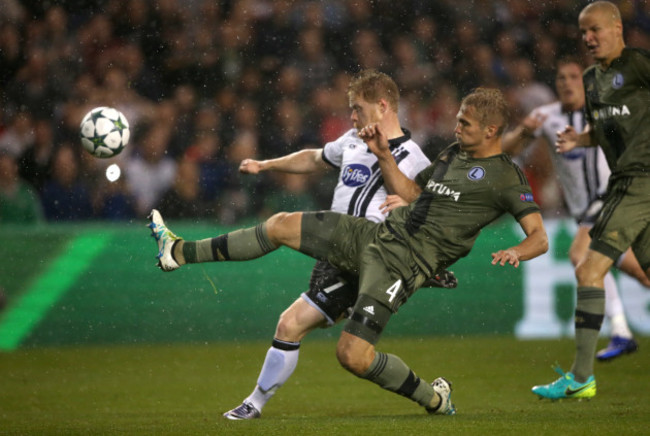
{"x": 605, "y": 63}
{"x": 392, "y": 129}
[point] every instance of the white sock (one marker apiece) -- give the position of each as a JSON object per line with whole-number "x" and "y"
{"x": 614, "y": 309}
{"x": 281, "y": 360}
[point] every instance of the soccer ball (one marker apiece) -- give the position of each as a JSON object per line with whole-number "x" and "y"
{"x": 104, "y": 132}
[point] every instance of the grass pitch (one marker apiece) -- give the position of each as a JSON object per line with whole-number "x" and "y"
{"x": 183, "y": 389}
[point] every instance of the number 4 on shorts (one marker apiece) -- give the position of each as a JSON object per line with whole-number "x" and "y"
{"x": 393, "y": 290}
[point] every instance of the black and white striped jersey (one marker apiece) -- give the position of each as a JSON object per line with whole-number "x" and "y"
{"x": 583, "y": 172}
{"x": 360, "y": 189}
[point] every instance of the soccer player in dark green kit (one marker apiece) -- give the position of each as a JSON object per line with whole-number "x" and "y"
{"x": 617, "y": 91}
{"x": 469, "y": 185}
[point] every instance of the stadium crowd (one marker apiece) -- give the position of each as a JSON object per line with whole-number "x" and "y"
{"x": 205, "y": 84}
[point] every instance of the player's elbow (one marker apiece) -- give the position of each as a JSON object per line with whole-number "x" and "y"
{"x": 542, "y": 243}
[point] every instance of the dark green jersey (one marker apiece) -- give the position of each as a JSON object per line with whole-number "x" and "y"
{"x": 460, "y": 196}
{"x": 618, "y": 109}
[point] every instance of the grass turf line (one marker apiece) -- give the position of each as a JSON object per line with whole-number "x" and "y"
{"x": 183, "y": 389}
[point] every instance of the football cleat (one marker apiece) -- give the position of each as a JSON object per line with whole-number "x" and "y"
{"x": 442, "y": 279}
{"x": 165, "y": 239}
{"x": 443, "y": 389}
{"x": 618, "y": 346}
{"x": 566, "y": 387}
{"x": 243, "y": 411}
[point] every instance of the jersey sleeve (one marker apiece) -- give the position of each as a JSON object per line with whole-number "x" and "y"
{"x": 333, "y": 151}
{"x": 518, "y": 200}
{"x": 414, "y": 163}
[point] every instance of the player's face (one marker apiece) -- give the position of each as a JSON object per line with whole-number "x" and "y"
{"x": 568, "y": 83}
{"x": 469, "y": 131}
{"x": 602, "y": 35}
{"x": 363, "y": 112}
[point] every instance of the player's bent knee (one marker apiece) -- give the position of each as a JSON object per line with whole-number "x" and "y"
{"x": 288, "y": 329}
{"x": 283, "y": 227}
{"x": 356, "y": 358}
{"x": 588, "y": 275}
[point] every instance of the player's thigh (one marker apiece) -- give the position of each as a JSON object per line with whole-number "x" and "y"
{"x": 384, "y": 286}
{"x": 624, "y": 219}
{"x": 336, "y": 238}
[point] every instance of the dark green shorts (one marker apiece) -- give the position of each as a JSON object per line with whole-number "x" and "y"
{"x": 624, "y": 220}
{"x": 388, "y": 275}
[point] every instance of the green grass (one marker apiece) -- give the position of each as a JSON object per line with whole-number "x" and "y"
{"x": 183, "y": 389}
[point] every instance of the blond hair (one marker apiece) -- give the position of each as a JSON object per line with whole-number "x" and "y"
{"x": 372, "y": 86}
{"x": 490, "y": 106}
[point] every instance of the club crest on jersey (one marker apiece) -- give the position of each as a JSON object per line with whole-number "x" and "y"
{"x": 355, "y": 175}
{"x": 618, "y": 81}
{"x": 476, "y": 173}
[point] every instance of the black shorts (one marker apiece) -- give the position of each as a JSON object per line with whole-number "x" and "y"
{"x": 332, "y": 292}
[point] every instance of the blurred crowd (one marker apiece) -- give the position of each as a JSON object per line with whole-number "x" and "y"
{"x": 205, "y": 84}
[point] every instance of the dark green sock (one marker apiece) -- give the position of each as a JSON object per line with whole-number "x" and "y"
{"x": 590, "y": 310}
{"x": 243, "y": 244}
{"x": 391, "y": 373}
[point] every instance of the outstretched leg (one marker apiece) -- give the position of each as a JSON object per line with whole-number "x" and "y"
{"x": 244, "y": 244}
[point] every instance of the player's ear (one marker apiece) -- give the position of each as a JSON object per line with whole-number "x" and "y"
{"x": 491, "y": 131}
{"x": 383, "y": 105}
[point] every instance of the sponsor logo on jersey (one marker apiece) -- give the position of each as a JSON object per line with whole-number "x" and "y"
{"x": 438, "y": 188}
{"x": 611, "y": 112}
{"x": 355, "y": 175}
{"x": 526, "y": 197}
{"x": 618, "y": 81}
{"x": 476, "y": 173}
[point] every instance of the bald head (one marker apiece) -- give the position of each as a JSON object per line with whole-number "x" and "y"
{"x": 602, "y": 31}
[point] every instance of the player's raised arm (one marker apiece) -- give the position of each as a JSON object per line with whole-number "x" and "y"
{"x": 396, "y": 182}
{"x": 535, "y": 243}
{"x": 514, "y": 141}
{"x": 301, "y": 162}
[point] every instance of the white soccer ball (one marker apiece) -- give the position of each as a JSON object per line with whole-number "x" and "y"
{"x": 104, "y": 132}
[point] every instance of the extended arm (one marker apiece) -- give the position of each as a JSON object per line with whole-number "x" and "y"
{"x": 514, "y": 141}
{"x": 395, "y": 180}
{"x": 300, "y": 162}
{"x": 535, "y": 243}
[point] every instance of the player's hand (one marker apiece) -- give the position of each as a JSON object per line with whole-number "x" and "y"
{"x": 567, "y": 140}
{"x": 249, "y": 166}
{"x": 533, "y": 122}
{"x": 392, "y": 202}
{"x": 375, "y": 138}
{"x": 502, "y": 257}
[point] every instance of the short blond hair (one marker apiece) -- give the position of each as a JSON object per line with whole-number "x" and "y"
{"x": 491, "y": 107}
{"x": 372, "y": 85}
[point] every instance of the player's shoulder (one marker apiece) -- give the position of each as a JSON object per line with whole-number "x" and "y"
{"x": 507, "y": 170}
{"x": 351, "y": 135}
{"x": 343, "y": 142}
{"x": 636, "y": 53}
